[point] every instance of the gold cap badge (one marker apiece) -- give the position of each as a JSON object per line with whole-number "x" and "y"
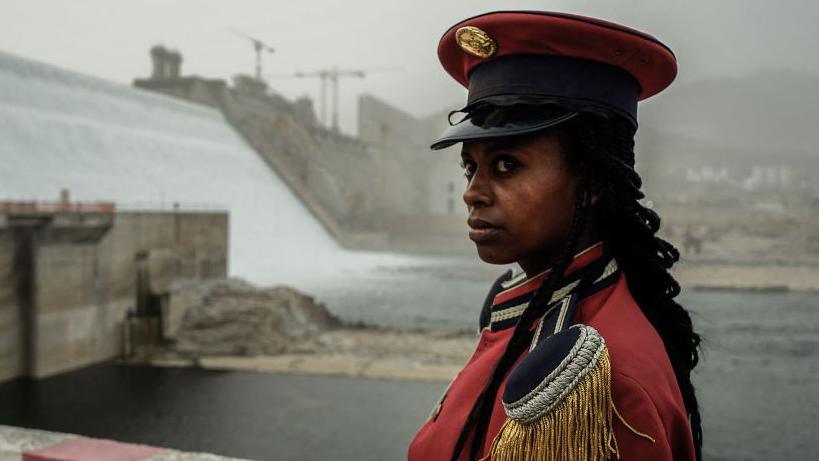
{"x": 475, "y": 42}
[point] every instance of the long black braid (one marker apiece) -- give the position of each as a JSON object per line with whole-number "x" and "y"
{"x": 523, "y": 334}
{"x": 602, "y": 151}
{"x": 630, "y": 232}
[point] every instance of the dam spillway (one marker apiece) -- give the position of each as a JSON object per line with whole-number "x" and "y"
{"x": 104, "y": 141}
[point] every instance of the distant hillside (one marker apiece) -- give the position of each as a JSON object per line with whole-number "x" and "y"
{"x": 772, "y": 114}
{"x": 770, "y": 119}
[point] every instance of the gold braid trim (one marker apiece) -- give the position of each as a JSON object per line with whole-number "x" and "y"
{"x": 578, "y": 429}
{"x": 630, "y": 427}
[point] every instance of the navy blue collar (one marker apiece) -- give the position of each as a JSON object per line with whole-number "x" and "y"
{"x": 590, "y": 272}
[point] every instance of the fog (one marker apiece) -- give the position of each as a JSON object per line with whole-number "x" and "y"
{"x": 365, "y": 220}
{"x": 110, "y": 39}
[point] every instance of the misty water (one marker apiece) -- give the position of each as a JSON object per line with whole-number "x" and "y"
{"x": 759, "y": 368}
{"x": 756, "y": 379}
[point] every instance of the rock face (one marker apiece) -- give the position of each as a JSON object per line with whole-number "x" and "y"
{"x": 231, "y": 317}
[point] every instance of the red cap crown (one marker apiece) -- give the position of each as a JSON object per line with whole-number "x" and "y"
{"x": 507, "y": 33}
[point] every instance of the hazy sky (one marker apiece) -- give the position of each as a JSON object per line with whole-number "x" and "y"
{"x": 111, "y": 38}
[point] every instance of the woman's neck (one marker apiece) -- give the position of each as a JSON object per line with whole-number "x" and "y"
{"x": 542, "y": 262}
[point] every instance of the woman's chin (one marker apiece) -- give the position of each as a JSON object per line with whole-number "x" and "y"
{"x": 494, "y": 255}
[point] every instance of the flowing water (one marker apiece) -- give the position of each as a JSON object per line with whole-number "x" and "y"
{"x": 109, "y": 142}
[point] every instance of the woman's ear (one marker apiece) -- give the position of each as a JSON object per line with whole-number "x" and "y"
{"x": 593, "y": 186}
{"x": 595, "y": 190}
{"x": 595, "y": 196}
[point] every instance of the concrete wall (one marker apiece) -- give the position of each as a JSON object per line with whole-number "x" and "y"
{"x": 11, "y": 334}
{"x": 446, "y": 183}
{"x": 358, "y": 188}
{"x": 334, "y": 175}
{"x": 419, "y": 182}
{"x": 63, "y": 299}
{"x": 400, "y": 143}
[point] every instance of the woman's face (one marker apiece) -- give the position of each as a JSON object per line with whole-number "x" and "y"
{"x": 520, "y": 195}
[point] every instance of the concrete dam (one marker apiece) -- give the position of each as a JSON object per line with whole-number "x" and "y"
{"x": 108, "y": 142}
{"x": 108, "y": 191}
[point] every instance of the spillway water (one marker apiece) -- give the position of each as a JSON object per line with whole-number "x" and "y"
{"x": 110, "y": 142}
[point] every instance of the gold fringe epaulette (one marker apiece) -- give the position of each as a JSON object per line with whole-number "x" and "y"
{"x": 558, "y": 402}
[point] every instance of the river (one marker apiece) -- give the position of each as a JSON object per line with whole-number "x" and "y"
{"x": 756, "y": 382}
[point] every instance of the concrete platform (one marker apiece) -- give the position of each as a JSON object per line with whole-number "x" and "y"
{"x": 18, "y": 444}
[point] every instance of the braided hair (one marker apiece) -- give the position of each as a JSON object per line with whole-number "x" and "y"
{"x": 601, "y": 151}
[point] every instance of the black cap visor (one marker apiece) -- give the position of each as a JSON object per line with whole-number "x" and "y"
{"x": 521, "y": 94}
{"x": 468, "y": 130}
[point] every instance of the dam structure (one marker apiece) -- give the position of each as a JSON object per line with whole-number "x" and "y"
{"x": 103, "y": 141}
{"x": 109, "y": 193}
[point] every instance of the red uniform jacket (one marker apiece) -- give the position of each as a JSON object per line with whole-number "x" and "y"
{"x": 644, "y": 387}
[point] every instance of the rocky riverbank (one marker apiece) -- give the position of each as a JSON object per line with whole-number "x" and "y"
{"x": 232, "y": 325}
{"x": 723, "y": 276}
{"x": 757, "y": 370}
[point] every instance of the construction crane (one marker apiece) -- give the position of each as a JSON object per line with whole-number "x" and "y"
{"x": 331, "y": 76}
{"x": 258, "y": 47}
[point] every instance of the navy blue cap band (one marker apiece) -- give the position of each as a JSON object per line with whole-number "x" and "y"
{"x": 467, "y": 130}
{"x": 579, "y": 82}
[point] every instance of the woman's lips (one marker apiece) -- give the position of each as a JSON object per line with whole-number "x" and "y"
{"x": 481, "y": 230}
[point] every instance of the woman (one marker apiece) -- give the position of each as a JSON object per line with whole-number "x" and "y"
{"x": 586, "y": 355}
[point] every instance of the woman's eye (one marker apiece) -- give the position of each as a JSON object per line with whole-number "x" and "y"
{"x": 506, "y": 165}
{"x": 469, "y": 169}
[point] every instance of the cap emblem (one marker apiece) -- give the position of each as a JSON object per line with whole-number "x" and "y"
{"x": 476, "y": 42}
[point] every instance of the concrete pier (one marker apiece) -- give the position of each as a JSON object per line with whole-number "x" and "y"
{"x": 70, "y": 273}
{"x": 19, "y": 444}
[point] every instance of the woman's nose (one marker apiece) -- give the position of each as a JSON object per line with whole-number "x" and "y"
{"x": 477, "y": 193}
